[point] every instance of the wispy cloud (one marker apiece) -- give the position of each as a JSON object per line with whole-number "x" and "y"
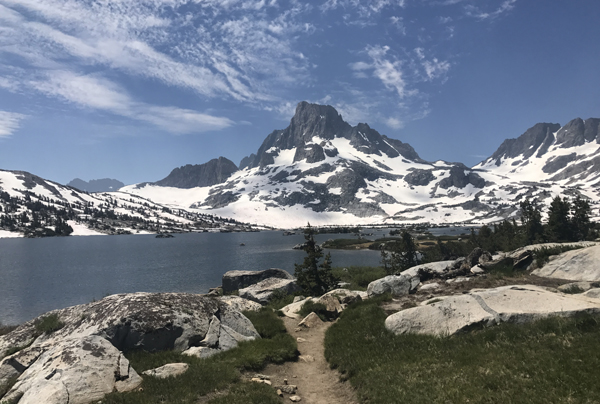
{"x": 99, "y": 93}
{"x": 477, "y": 11}
{"x": 9, "y": 123}
{"x": 221, "y": 50}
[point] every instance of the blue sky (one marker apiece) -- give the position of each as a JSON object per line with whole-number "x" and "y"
{"x": 132, "y": 89}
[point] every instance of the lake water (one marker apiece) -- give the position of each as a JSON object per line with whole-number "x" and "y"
{"x": 38, "y": 275}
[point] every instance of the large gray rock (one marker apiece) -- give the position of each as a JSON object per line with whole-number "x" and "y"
{"x": 262, "y": 291}
{"x": 485, "y": 307}
{"x": 397, "y": 285}
{"x": 150, "y": 321}
{"x": 74, "y": 371}
{"x": 235, "y": 280}
{"x": 576, "y": 265}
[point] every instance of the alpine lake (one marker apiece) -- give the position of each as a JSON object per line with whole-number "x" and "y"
{"x": 43, "y": 274}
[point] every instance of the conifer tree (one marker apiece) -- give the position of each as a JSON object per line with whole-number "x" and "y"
{"x": 559, "y": 223}
{"x": 580, "y": 219}
{"x": 313, "y": 277}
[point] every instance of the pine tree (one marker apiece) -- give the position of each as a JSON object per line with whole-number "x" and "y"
{"x": 402, "y": 255}
{"x": 580, "y": 219}
{"x": 559, "y": 223}
{"x": 531, "y": 218}
{"x": 313, "y": 277}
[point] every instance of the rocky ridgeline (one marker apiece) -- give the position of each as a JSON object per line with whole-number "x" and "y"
{"x": 79, "y": 359}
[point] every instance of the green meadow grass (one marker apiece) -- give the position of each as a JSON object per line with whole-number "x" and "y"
{"x": 555, "y": 360}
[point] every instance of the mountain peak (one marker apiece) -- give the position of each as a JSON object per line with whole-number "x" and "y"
{"x": 323, "y": 122}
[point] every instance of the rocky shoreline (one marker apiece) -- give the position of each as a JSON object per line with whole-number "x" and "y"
{"x": 75, "y": 355}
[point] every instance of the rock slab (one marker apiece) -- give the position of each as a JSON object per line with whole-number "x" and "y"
{"x": 236, "y": 280}
{"x": 485, "y": 307}
{"x": 575, "y": 265}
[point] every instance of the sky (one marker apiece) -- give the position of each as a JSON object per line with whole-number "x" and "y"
{"x": 132, "y": 89}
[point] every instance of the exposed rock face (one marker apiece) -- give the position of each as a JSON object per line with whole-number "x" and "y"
{"x": 235, "y": 280}
{"x": 576, "y": 265}
{"x": 419, "y": 177}
{"x": 74, "y": 371}
{"x": 397, "y": 285}
{"x": 262, "y": 291}
{"x": 541, "y": 134}
{"x": 94, "y": 333}
{"x": 485, "y": 307}
{"x": 216, "y": 171}
{"x": 459, "y": 178}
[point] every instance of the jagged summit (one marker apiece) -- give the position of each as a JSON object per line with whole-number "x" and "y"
{"x": 549, "y": 153}
{"x": 311, "y": 130}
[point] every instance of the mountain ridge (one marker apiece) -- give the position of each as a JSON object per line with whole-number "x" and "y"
{"x": 322, "y": 168}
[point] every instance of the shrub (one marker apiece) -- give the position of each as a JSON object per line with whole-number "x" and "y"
{"x": 318, "y": 308}
{"x": 266, "y": 322}
{"x": 5, "y": 329}
{"x": 48, "y": 324}
{"x": 359, "y": 277}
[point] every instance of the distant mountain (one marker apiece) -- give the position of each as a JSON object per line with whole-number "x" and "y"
{"x": 35, "y": 207}
{"x": 548, "y": 153}
{"x": 216, "y": 171}
{"x": 322, "y": 170}
{"x": 102, "y": 185}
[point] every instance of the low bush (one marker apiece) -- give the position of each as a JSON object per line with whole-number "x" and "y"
{"x": 5, "y": 329}
{"x": 359, "y": 277}
{"x": 5, "y": 388}
{"x": 318, "y": 308}
{"x": 266, "y": 322}
{"x": 550, "y": 361}
{"x": 280, "y": 299}
{"x": 48, "y": 324}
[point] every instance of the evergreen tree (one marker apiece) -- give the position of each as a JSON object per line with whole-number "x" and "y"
{"x": 402, "y": 254}
{"x": 559, "y": 223}
{"x": 580, "y": 219}
{"x": 313, "y": 277}
{"x": 531, "y": 218}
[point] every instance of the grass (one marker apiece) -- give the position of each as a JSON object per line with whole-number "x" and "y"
{"x": 218, "y": 373}
{"x": 48, "y": 324}
{"x": 318, "y": 308}
{"x": 6, "y": 386}
{"x": 542, "y": 255}
{"x": 359, "y": 277}
{"x": 347, "y": 243}
{"x": 248, "y": 393}
{"x": 554, "y": 360}
{"x": 5, "y": 329}
{"x": 573, "y": 290}
{"x": 280, "y": 299}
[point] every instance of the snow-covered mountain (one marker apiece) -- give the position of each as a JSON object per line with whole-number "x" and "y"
{"x": 33, "y": 206}
{"x": 322, "y": 170}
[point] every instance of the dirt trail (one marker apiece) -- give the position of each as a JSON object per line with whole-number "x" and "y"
{"x": 317, "y": 383}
